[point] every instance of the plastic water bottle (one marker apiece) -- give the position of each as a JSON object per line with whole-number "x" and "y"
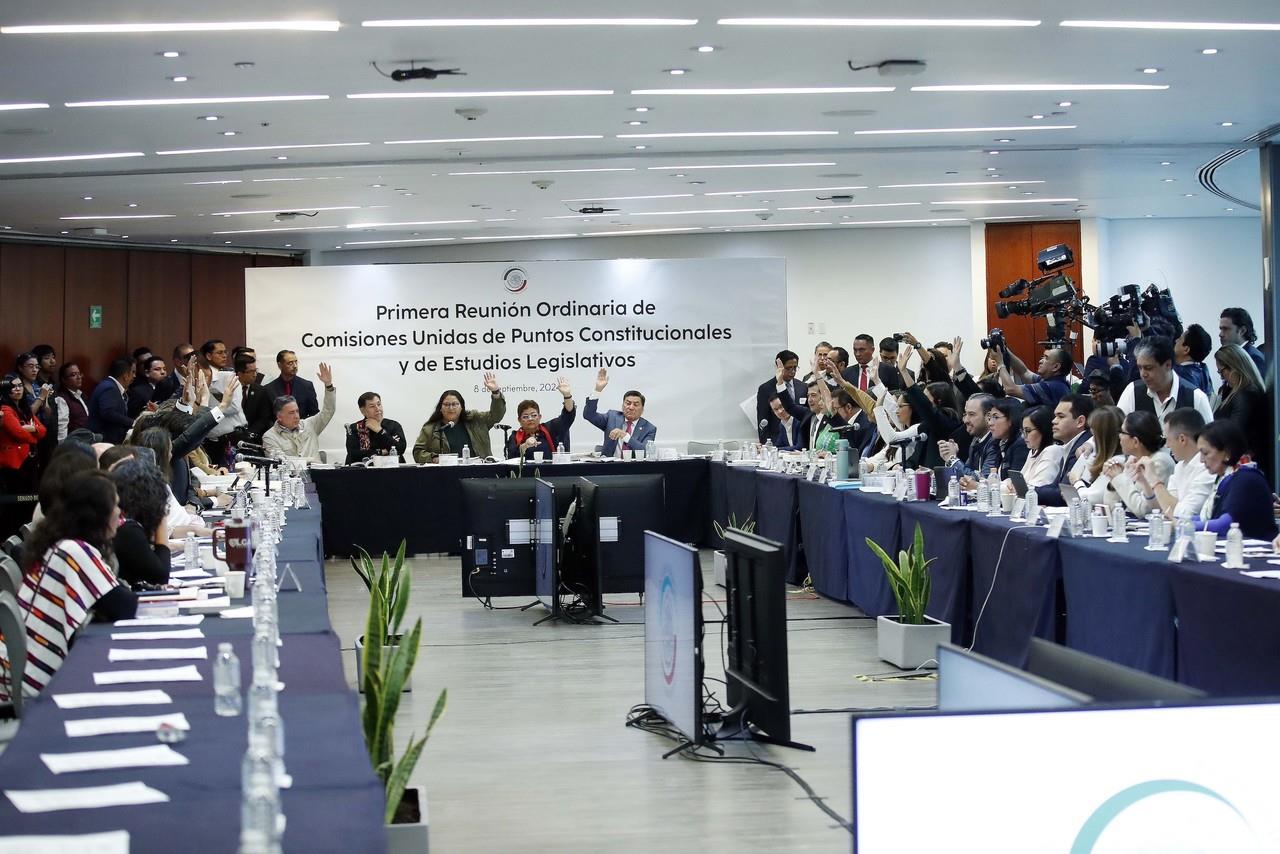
{"x": 864, "y": 468}
{"x": 993, "y": 493}
{"x": 984, "y": 495}
{"x": 466, "y": 454}
{"x": 911, "y": 484}
{"x": 1033, "y": 507}
{"x": 1185, "y": 530}
{"x": 190, "y": 553}
{"x": 226, "y": 682}
{"x": 1074, "y": 517}
{"x": 1235, "y": 545}
{"x": 260, "y": 811}
{"x": 953, "y": 491}
{"x": 1119, "y": 521}
{"x": 1155, "y": 530}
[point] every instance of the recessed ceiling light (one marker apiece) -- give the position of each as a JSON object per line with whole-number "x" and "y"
{"x": 1209, "y": 51}
{"x": 244, "y": 66}
{"x": 282, "y": 157}
{"x": 740, "y": 166}
{"x": 513, "y": 210}
{"x": 124, "y": 237}
{"x": 639, "y": 147}
{"x": 1227, "y": 124}
{"x": 408, "y": 194}
{"x": 699, "y": 134}
{"x": 641, "y": 109}
{"x": 209, "y": 118}
{"x": 1001, "y": 201}
{"x": 120, "y": 216}
{"x": 203, "y": 183}
{"x": 547, "y": 171}
{"x": 1012, "y": 187}
{"x": 87, "y": 198}
{"x": 1148, "y": 216}
{"x": 64, "y": 232}
{"x": 179, "y": 78}
{"x": 1228, "y": 210}
{"x": 260, "y": 148}
{"x": 228, "y": 241}
{"x": 1168, "y": 180}
{"x": 532, "y": 22}
{"x": 1038, "y": 116}
{"x": 377, "y": 186}
{"x": 530, "y": 93}
{"x": 1027, "y": 193}
{"x": 170, "y": 54}
{"x": 58, "y": 158}
{"x": 1004, "y": 140}
{"x": 173, "y": 240}
{"x": 132, "y": 204}
{"x": 705, "y": 48}
{"x": 1175, "y": 25}
{"x": 771, "y": 90}
{"x": 1044, "y": 87}
{"x": 179, "y": 102}
{"x": 965, "y": 130}
{"x": 875, "y": 22}
{"x": 229, "y": 132}
{"x": 1166, "y": 162}
{"x": 1064, "y": 103}
{"x": 630, "y": 198}
{"x": 202, "y": 27}
{"x": 288, "y": 246}
{"x": 635, "y": 123}
{"x": 1188, "y": 195}
{"x": 678, "y": 175}
{"x": 674, "y": 72}
{"x": 490, "y": 139}
{"x": 1150, "y": 70}
{"x": 993, "y": 152}
{"x": 951, "y": 184}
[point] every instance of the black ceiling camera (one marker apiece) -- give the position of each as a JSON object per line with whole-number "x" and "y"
{"x": 402, "y": 74}
{"x": 594, "y": 210}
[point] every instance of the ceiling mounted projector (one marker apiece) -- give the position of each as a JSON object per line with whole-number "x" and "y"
{"x": 402, "y": 74}
{"x": 894, "y": 67}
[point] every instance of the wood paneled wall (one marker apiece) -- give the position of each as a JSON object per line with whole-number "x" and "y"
{"x": 153, "y": 298}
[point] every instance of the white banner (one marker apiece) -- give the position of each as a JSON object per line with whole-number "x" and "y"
{"x": 696, "y": 337}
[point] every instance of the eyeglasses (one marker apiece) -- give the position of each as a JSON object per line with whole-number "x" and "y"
{"x": 531, "y": 416}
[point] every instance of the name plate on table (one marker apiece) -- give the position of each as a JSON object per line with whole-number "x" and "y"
{"x": 1056, "y": 525}
{"x": 900, "y": 490}
{"x": 1178, "y": 553}
{"x": 812, "y": 473}
{"x": 1019, "y": 510}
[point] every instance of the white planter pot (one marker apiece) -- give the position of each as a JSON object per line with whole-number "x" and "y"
{"x": 386, "y": 651}
{"x": 720, "y": 566}
{"x": 910, "y": 647}
{"x": 410, "y": 838}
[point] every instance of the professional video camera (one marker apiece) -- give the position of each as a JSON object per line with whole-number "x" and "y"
{"x": 1049, "y": 293}
{"x": 1151, "y": 310}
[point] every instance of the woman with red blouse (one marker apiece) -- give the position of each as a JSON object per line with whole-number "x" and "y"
{"x": 19, "y": 472}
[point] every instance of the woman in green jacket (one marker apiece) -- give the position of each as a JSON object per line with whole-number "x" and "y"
{"x": 452, "y": 426}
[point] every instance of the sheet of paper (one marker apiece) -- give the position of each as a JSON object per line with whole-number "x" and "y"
{"x": 99, "y": 760}
{"x": 188, "y": 673}
{"x": 111, "y": 842}
{"x": 112, "y": 726}
{"x": 188, "y": 620}
{"x": 91, "y": 699}
{"x": 171, "y": 634}
{"x": 237, "y": 613}
{"x": 185, "y": 653}
{"x": 189, "y": 573}
{"x": 211, "y": 602}
{"x": 1263, "y": 573}
{"x": 85, "y": 797}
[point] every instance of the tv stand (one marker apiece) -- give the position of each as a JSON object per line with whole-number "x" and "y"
{"x": 735, "y": 727}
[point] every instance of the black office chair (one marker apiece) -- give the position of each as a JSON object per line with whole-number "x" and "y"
{"x": 15, "y": 646}
{"x": 10, "y": 575}
{"x": 13, "y": 548}
{"x": 25, "y": 531}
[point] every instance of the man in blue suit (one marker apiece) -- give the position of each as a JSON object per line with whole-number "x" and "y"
{"x": 108, "y": 413}
{"x": 626, "y": 427}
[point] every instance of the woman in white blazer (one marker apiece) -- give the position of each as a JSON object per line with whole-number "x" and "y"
{"x": 1044, "y": 456}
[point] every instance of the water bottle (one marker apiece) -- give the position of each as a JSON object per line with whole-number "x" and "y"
{"x": 226, "y": 682}
{"x": 953, "y": 491}
{"x": 190, "y": 553}
{"x": 1033, "y": 507}
{"x": 984, "y": 495}
{"x": 650, "y": 450}
{"x": 466, "y": 454}
{"x": 1235, "y": 545}
{"x": 864, "y": 468}
{"x": 1186, "y": 529}
{"x": 264, "y": 654}
{"x": 911, "y": 484}
{"x": 993, "y": 493}
{"x": 1074, "y": 514}
{"x": 1155, "y": 530}
{"x": 719, "y": 450}
{"x": 260, "y": 812}
{"x": 1119, "y": 521}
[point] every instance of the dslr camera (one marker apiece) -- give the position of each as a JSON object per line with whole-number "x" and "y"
{"x": 995, "y": 338}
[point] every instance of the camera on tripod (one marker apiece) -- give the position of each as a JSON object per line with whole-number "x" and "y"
{"x": 1049, "y": 293}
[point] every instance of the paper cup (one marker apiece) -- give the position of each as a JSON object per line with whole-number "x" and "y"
{"x": 235, "y": 584}
{"x": 1099, "y": 525}
{"x": 640, "y": 454}
{"x": 628, "y": 454}
{"x": 1006, "y": 501}
{"x": 539, "y": 456}
{"x": 1206, "y": 542}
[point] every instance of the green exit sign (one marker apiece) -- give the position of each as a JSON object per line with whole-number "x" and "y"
{"x": 95, "y": 317}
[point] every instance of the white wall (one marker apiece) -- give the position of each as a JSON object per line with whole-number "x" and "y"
{"x": 874, "y": 280}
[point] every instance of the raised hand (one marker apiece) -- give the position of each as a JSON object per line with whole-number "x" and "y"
{"x": 953, "y": 363}
{"x": 562, "y": 383}
{"x": 602, "y": 380}
{"x": 325, "y": 374}
{"x": 909, "y": 339}
{"x": 779, "y": 371}
{"x": 491, "y": 382}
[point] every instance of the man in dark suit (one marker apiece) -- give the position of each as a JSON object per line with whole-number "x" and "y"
{"x": 784, "y": 379}
{"x": 1071, "y": 428}
{"x": 108, "y": 413}
{"x": 625, "y": 427}
{"x": 171, "y": 385}
{"x": 983, "y": 452}
{"x": 145, "y": 389}
{"x": 793, "y": 423}
{"x": 292, "y": 385}
{"x": 866, "y": 368}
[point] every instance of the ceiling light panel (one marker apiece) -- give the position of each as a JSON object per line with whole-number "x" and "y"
{"x": 738, "y": 166}
{"x": 964, "y": 130}
{"x": 1043, "y": 87}
{"x": 955, "y": 184}
{"x": 876, "y": 22}
{"x": 517, "y": 236}
{"x": 905, "y": 221}
{"x": 120, "y": 216}
{"x": 490, "y": 139}
{"x": 183, "y": 102}
{"x": 834, "y": 207}
{"x": 547, "y": 171}
{"x": 187, "y": 27}
{"x": 60, "y": 158}
{"x": 14, "y": 107}
{"x": 506, "y": 93}
{"x": 772, "y": 90}
{"x": 702, "y": 134}
{"x": 793, "y": 190}
{"x": 235, "y": 148}
{"x": 1001, "y": 201}
{"x": 1201, "y": 26}
{"x": 532, "y": 22}
{"x": 404, "y": 240}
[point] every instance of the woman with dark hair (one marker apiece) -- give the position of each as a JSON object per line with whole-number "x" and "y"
{"x": 452, "y": 426}
{"x": 180, "y": 520}
{"x": 1242, "y": 493}
{"x": 903, "y": 440}
{"x": 533, "y": 435}
{"x": 373, "y": 435}
{"x": 20, "y": 432}
{"x": 937, "y": 409}
{"x": 27, "y": 368}
{"x": 1004, "y": 422}
{"x": 1044, "y": 456}
{"x": 69, "y": 580}
{"x": 70, "y": 458}
{"x": 142, "y": 541}
{"x": 1142, "y": 443}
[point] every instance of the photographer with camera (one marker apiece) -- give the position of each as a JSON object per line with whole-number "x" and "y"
{"x": 1159, "y": 389}
{"x": 1190, "y": 349}
{"x": 1046, "y": 386}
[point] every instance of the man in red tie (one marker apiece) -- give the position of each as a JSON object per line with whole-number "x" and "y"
{"x": 623, "y": 430}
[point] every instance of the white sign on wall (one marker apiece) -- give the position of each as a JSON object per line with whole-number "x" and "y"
{"x": 694, "y": 336}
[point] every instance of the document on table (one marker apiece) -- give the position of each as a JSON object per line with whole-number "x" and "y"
{"x": 83, "y": 798}
{"x": 100, "y": 760}
{"x": 237, "y": 613}
{"x": 172, "y": 634}
{"x": 114, "y": 726}
{"x": 190, "y": 573}
{"x": 188, "y": 673}
{"x": 211, "y": 602}
{"x": 111, "y": 842}
{"x": 189, "y": 620}
{"x": 184, "y": 653}
{"x": 1263, "y": 573}
{"x": 90, "y": 699}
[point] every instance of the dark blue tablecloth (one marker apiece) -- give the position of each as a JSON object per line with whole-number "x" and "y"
{"x": 1119, "y": 603}
{"x": 1228, "y": 629}
{"x": 946, "y": 542}
{"x": 872, "y": 515}
{"x": 822, "y": 530}
{"x": 776, "y": 509}
{"x": 1023, "y": 599}
{"x": 740, "y": 484}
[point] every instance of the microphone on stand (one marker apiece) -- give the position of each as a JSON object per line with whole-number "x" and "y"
{"x": 907, "y": 440}
{"x": 261, "y": 462}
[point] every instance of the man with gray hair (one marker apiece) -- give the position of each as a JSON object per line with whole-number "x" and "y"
{"x": 295, "y": 436}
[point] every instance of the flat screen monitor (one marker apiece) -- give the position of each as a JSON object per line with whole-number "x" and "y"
{"x": 969, "y": 682}
{"x": 1155, "y": 778}
{"x": 1104, "y": 681}
{"x": 757, "y": 675}
{"x": 673, "y": 634}
{"x": 580, "y": 568}
{"x": 546, "y": 546}
{"x": 627, "y": 506}
{"x": 493, "y": 562}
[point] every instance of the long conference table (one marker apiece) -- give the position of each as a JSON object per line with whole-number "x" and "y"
{"x": 1198, "y": 623}
{"x": 335, "y": 802}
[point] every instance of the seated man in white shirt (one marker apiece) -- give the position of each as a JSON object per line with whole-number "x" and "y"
{"x": 1160, "y": 391}
{"x": 1191, "y": 483}
{"x": 294, "y": 436}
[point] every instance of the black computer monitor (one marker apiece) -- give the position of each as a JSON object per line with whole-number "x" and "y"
{"x": 626, "y": 507}
{"x": 1104, "y": 681}
{"x": 756, "y": 673}
{"x": 969, "y": 682}
{"x": 493, "y": 562}
{"x": 546, "y": 546}
{"x": 673, "y": 634}
{"x": 580, "y": 568}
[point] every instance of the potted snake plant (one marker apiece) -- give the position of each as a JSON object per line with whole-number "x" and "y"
{"x": 910, "y": 638}
{"x": 720, "y": 564}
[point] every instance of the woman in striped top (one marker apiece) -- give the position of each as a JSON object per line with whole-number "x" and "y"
{"x": 69, "y": 578}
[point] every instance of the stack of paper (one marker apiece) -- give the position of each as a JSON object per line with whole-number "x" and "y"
{"x": 172, "y": 634}
{"x": 191, "y": 620}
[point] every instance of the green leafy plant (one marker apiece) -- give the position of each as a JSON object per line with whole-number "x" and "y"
{"x": 388, "y": 663}
{"x": 908, "y": 578}
{"x": 388, "y": 582}
{"x": 747, "y": 525}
